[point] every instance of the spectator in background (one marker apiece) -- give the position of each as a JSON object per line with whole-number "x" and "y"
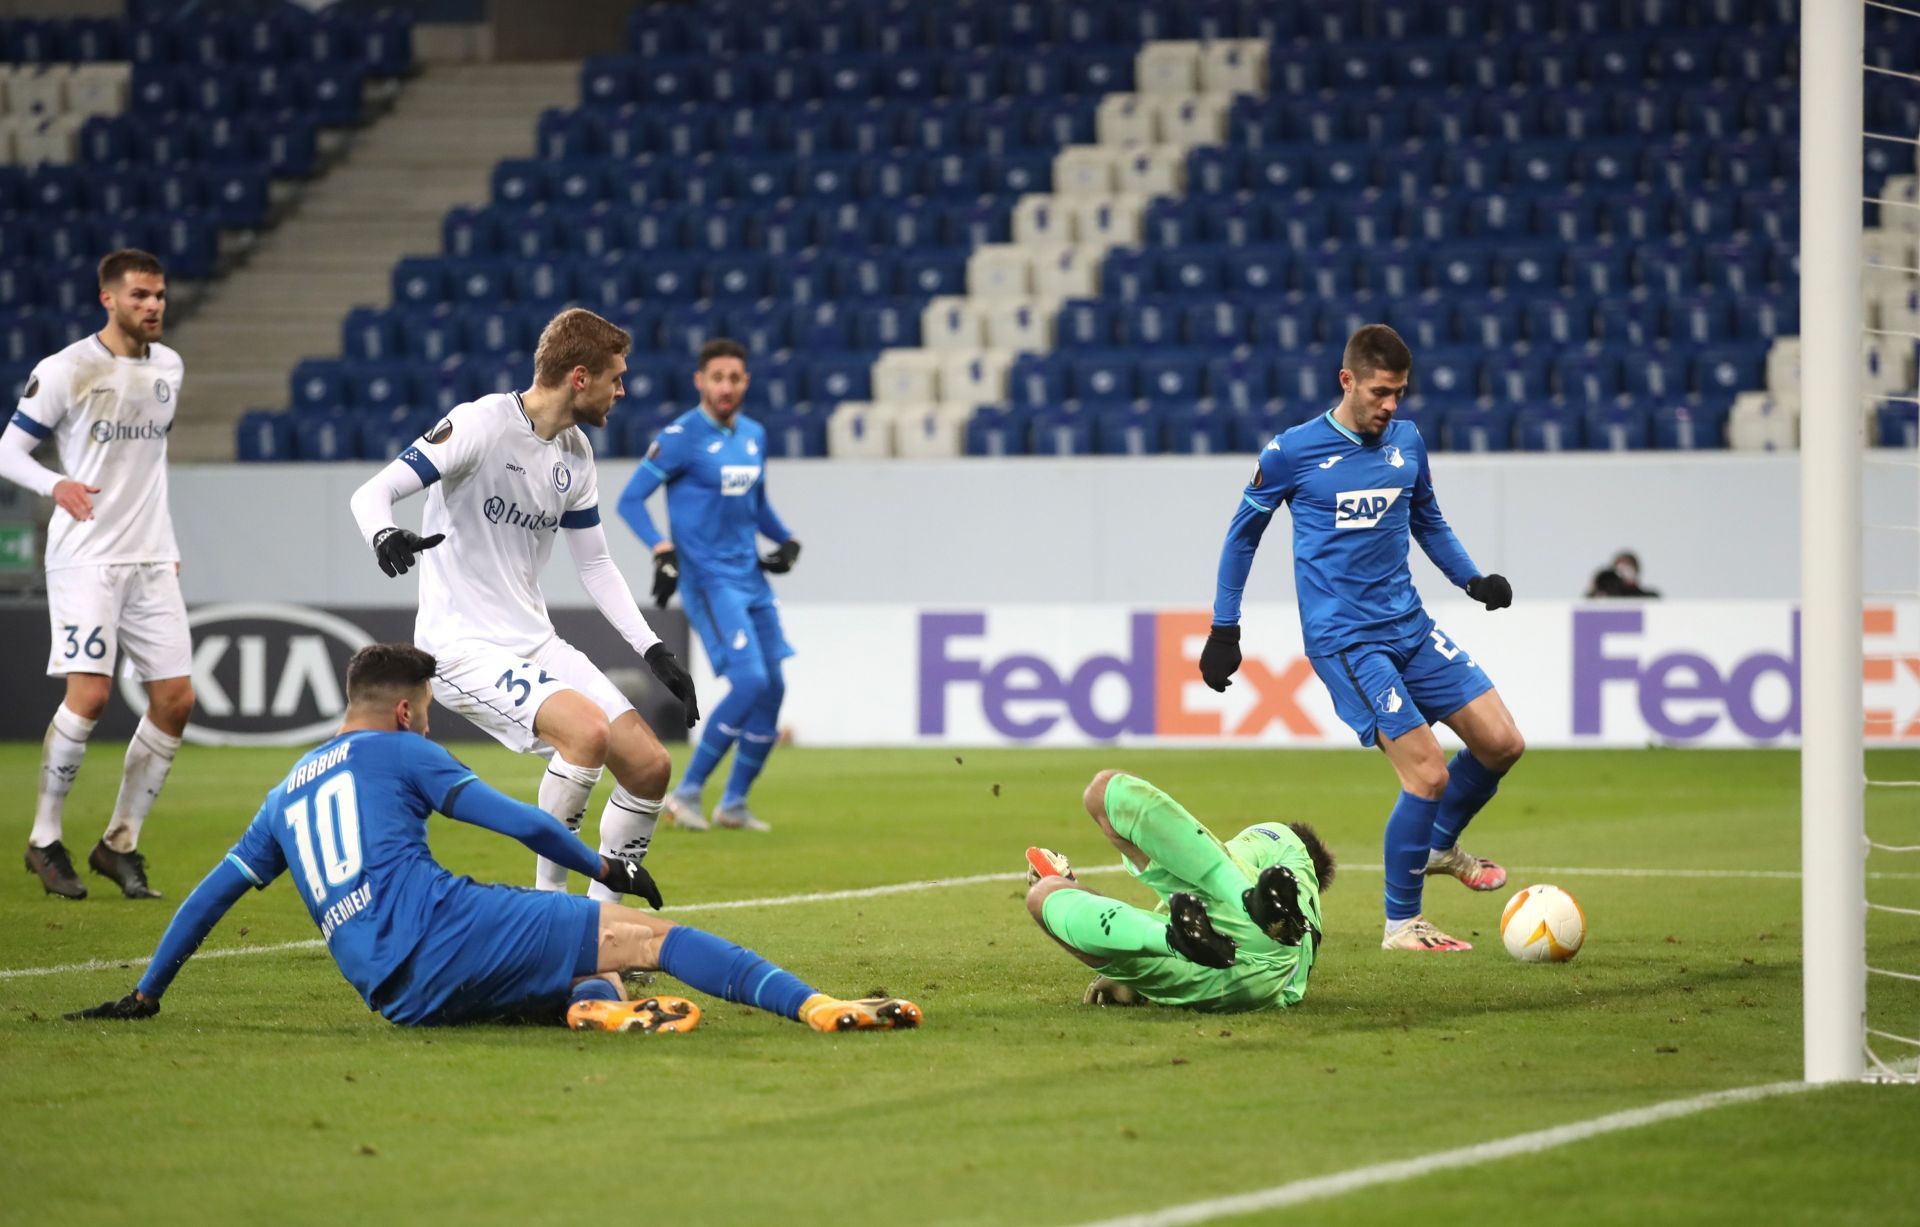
{"x": 1621, "y": 577}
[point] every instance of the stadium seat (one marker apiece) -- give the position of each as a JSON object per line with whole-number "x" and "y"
{"x": 1547, "y": 428}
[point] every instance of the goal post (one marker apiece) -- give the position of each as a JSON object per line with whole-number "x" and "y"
{"x": 1832, "y": 424}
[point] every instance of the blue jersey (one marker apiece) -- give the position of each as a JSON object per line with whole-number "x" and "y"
{"x": 716, "y": 496}
{"x": 350, "y": 822}
{"x": 1354, "y": 501}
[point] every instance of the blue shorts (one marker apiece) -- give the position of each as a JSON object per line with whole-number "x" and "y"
{"x": 492, "y": 952}
{"x": 1389, "y": 690}
{"x": 736, "y": 619}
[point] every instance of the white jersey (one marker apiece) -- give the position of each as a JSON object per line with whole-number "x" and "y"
{"x": 108, "y": 417}
{"x": 501, "y": 494}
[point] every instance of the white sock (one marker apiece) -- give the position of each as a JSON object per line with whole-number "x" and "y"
{"x": 149, "y": 758}
{"x": 564, "y": 790}
{"x": 626, "y": 829}
{"x": 60, "y": 754}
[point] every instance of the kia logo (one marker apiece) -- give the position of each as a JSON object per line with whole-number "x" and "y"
{"x": 265, "y": 674}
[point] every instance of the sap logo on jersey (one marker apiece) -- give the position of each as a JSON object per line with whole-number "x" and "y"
{"x": 1141, "y": 690}
{"x": 114, "y": 432}
{"x": 500, "y": 511}
{"x": 1362, "y": 508}
{"x": 265, "y": 674}
{"x": 738, "y": 478}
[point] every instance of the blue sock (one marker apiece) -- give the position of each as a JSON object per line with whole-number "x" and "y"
{"x": 1409, "y": 828}
{"x": 722, "y": 730}
{"x": 715, "y": 965}
{"x": 595, "y": 989}
{"x": 748, "y": 760}
{"x": 1470, "y": 785}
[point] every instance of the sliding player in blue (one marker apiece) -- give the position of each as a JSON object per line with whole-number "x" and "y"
{"x": 712, "y": 460}
{"x": 1357, "y": 483}
{"x": 426, "y": 948}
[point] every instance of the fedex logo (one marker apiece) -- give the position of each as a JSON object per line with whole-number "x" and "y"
{"x": 1682, "y": 695}
{"x": 738, "y": 478}
{"x": 1362, "y": 508}
{"x": 1140, "y": 690}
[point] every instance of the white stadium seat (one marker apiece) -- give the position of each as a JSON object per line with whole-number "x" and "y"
{"x": 38, "y": 91}
{"x": 1154, "y": 170}
{"x": 1021, "y": 324}
{"x": 1113, "y": 222}
{"x": 1086, "y": 170}
{"x": 950, "y": 322}
{"x": 1000, "y": 270}
{"x": 1759, "y": 423}
{"x": 860, "y": 430}
{"x": 978, "y": 378}
{"x": 1198, "y": 120}
{"x": 1889, "y": 366}
{"x": 1783, "y": 370}
{"x": 907, "y": 376}
{"x": 1041, "y": 218}
{"x": 1126, "y": 119}
{"x": 98, "y": 89}
{"x": 1234, "y": 66}
{"x": 1068, "y": 272}
{"x": 1171, "y": 67}
{"x": 48, "y": 138}
{"x": 924, "y": 432}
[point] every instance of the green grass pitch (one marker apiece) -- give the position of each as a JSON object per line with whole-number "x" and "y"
{"x": 265, "y": 1091}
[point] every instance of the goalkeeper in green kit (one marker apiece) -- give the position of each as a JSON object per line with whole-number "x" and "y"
{"x": 1240, "y": 921}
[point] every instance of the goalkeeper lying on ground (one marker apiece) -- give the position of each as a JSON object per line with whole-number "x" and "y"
{"x": 1241, "y": 923}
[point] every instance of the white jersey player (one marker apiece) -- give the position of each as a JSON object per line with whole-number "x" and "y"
{"x": 113, "y": 586}
{"x": 503, "y": 475}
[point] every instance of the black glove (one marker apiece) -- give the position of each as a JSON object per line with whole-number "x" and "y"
{"x": 780, "y": 559}
{"x": 629, "y": 877}
{"x": 1220, "y": 659}
{"x": 396, "y": 548}
{"x": 133, "y": 1005}
{"x": 666, "y": 667}
{"x": 1493, "y": 591}
{"x": 666, "y": 576}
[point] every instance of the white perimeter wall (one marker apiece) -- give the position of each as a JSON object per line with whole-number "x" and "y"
{"x": 1106, "y": 530}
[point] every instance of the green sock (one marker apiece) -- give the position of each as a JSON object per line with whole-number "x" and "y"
{"x": 1172, "y": 838}
{"x": 1102, "y": 927}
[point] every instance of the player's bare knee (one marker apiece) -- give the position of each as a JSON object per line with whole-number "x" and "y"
{"x": 1428, "y": 780}
{"x": 645, "y": 770}
{"x": 170, "y": 704}
{"x": 1095, "y": 798}
{"x": 87, "y": 694}
{"x": 1506, "y": 751}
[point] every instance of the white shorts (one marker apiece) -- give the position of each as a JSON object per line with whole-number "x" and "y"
{"x": 127, "y": 608}
{"x": 500, "y": 691}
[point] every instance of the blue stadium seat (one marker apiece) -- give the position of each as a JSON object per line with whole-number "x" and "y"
{"x": 1171, "y": 377}
{"x": 1692, "y": 424}
{"x": 1251, "y": 429}
{"x": 1448, "y": 372}
{"x": 1285, "y": 324}
{"x": 993, "y": 431}
{"x": 831, "y": 378}
{"x": 1563, "y": 319}
{"x": 1659, "y": 372}
{"x": 1148, "y": 323}
{"x": 1620, "y": 425}
{"x": 1587, "y": 375}
{"x": 1490, "y": 320}
{"x": 1666, "y": 268}
{"x": 1722, "y": 370}
{"x": 1310, "y": 376}
{"x": 1897, "y": 424}
{"x": 1101, "y": 375}
{"x": 1063, "y": 430}
{"x": 263, "y": 436}
{"x": 1518, "y": 374}
{"x": 1037, "y": 381}
{"x": 1462, "y": 268}
{"x": 1425, "y": 322}
{"x": 22, "y": 341}
{"x": 317, "y": 385}
{"x": 1239, "y": 382}
{"x": 1765, "y": 316}
{"x": 1701, "y": 319}
{"x": 369, "y": 334}
{"x": 325, "y": 436}
{"x": 1128, "y": 430}
{"x": 1548, "y": 428}
{"x": 1477, "y": 428}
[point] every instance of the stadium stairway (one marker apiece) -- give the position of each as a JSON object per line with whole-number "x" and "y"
{"x": 434, "y": 150}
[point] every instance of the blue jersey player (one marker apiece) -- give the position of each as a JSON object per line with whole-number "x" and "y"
{"x": 712, "y": 460}
{"x": 1357, "y": 484}
{"x": 349, "y": 825}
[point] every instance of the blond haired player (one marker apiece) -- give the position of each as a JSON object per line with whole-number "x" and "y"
{"x": 113, "y": 585}
{"x": 504, "y": 475}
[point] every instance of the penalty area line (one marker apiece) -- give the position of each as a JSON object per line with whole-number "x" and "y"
{"x": 1352, "y": 1180}
{"x": 906, "y": 888}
